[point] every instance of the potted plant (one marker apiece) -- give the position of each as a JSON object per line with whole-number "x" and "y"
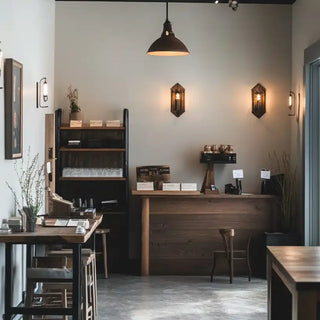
{"x": 75, "y": 111}
{"x": 32, "y": 185}
{"x": 284, "y": 186}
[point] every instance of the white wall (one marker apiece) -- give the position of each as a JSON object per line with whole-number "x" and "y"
{"x": 101, "y": 50}
{"x": 305, "y": 32}
{"x": 27, "y": 35}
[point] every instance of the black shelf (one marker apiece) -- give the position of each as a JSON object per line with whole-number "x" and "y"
{"x": 100, "y": 147}
{"x": 218, "y": 157}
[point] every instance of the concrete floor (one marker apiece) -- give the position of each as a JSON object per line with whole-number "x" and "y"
{"x": 181, "y": 297}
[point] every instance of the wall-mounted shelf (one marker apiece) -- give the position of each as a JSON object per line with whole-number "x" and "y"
{"x": 92, "y": 179}
{"x": 218, "y": 157}
{"x": 86, "y": 127}
{"x": 65, "y": 149}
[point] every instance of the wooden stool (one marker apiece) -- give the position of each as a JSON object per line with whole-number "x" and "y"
{"x": 103, "y": 233}
{"x": 89, "y": 276}
{"x": 90, "y": 288}
{"x": 48, "y": 270}
{"x": 230, "y": 254}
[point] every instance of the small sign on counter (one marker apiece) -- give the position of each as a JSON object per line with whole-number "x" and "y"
{"x": 265, "y": 174}
{"x": 237, "y": 174}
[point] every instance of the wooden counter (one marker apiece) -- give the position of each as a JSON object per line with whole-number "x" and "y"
{"x": 180, "y": 229}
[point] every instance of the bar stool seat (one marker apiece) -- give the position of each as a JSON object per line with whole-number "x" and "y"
{"x": 49, "y": 274}
{"x": 104, "y": 253}
{"x": 231, "y": 255}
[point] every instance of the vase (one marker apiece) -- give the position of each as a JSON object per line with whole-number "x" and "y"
{"x": 75, "y": 116}
{"x": 31, "y": 224}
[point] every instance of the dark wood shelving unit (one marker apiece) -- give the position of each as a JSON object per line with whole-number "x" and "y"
{"x": 102, "y": 148}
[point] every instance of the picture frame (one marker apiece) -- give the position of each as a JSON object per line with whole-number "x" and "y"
{"x": 157, "y": 174}
{"x": 13, "y": 93}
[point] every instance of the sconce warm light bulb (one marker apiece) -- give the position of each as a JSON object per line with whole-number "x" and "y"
{"x": 177, "y": 94}
{"x": 258, "y": 94}
{"x": 290, "y": 100}
{"x": 292, "y": 104}
{"x": 45, "y": 91}
{"x": 216, "y": 2}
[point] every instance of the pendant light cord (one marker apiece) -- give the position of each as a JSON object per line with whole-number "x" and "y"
{"x": 167, "y": 11}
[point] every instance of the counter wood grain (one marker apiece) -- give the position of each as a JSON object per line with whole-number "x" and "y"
{"x": 180, "y": 231}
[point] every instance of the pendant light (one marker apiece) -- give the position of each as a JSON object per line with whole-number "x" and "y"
{"x": 168, "y": 44}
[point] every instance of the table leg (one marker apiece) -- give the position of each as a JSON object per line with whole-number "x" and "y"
{"x": 8, "y": 282}
{"x": 269, "y": 279}
{"x": 145, "y": 237}
{"x": 76, "y": 292}
{"x": 29, "y": 255}
{"x": 305, "y": 305}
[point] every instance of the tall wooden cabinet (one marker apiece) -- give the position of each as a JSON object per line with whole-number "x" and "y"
{"x": 96, "y": 170}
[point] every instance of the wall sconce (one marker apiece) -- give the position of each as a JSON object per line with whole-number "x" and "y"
{"x": 292, "y": 104}
{"x": 177, "y": 100}
{"x": 258, "y": 93}
{"x": 42, "y": 93}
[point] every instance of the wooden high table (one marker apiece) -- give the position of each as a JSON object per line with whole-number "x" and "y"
{"x": 46, "y": 235}
{"x": 293, "y": 283}
{"x": 180, "y": 228}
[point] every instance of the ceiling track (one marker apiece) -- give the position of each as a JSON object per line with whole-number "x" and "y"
{"x": 194, "y": 1}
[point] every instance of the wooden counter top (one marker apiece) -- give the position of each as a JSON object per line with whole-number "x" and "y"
{"x": 198, "y": 194}
{"x": 52, "y": 234}
{"x": 293, "y": 282}
{"x": 301, "y": 265}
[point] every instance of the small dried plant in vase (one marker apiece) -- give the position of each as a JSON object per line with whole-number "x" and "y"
{"x": 31, "y": 180}
{"x": 73, "y": 96}
{"x": 286, "y": 183}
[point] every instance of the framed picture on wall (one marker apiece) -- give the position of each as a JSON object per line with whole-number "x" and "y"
{"x": 13, "y": 89}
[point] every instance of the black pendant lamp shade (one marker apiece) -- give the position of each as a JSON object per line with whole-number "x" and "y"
{"x": 168, "y": 44}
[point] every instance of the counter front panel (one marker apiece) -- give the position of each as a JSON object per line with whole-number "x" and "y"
{"x": 184, "y": 231}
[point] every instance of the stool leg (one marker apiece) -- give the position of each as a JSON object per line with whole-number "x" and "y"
{"x": 249, "y": 267}
{"x": 95, "y": 294}
{"x": 104, "y": 252}
{"x": 213, "y": 267}
{"x": 64, "y": 301}
{"x": 29, "y": 297}
{"x": 231, "y": 270}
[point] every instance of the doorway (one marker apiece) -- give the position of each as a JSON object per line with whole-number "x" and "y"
{"x": 312, "y": 145}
